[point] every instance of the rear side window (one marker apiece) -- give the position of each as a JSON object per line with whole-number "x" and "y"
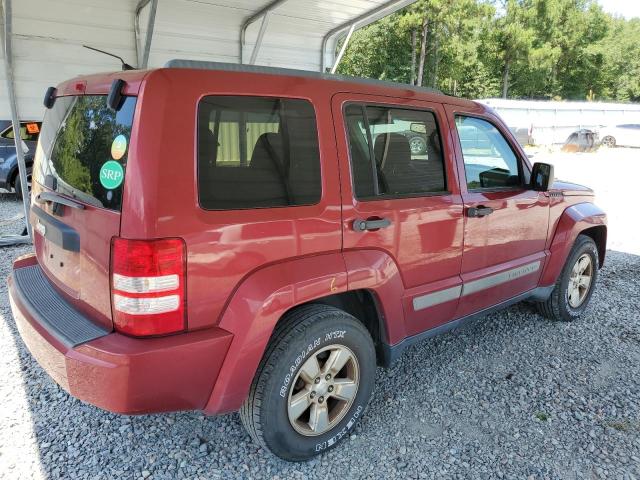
{"x": 256, "y": 152}
{"x": 84, "y": 147}
{"x": 395, "y": 152}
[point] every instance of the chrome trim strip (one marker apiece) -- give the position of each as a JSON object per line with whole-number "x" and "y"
{"x": 499, "y": 278}
{"x": 448, "y": 294}
{"x": 435, "y": 298}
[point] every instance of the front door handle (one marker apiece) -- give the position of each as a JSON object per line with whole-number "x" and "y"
{"x": 362, "y": 225}
{"x": 479, "y": 211}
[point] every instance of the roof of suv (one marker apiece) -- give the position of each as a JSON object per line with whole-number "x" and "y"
{"x": 290, "y": 72}
{"x": 134, "y": 78}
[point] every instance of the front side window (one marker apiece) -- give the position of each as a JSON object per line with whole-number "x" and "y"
{"x": 394, "y": 152}
{"x": 256, "y": 152}
{"x": 489, "y": 161}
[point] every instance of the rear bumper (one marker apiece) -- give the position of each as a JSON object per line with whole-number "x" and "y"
{"x": 118, "y": 373}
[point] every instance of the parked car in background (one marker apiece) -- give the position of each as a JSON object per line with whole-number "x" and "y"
{"x": 29, "y": 132}
{"x": 582, "y": 140}
{"x": 417, "y": 142}
{"x": 281, "y": 243}
{"x": 625, "y": 135}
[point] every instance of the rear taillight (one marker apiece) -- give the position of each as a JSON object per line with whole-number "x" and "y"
{"x": 148, "y": 286}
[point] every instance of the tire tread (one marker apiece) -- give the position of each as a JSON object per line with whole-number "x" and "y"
{"x": 288, "y": 329}
{"x": 550, "y": 308}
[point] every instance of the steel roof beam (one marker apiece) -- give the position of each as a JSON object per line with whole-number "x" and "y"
{"x": 343, "y": 49}
{"x": 142, "y": 58}
{"x": 387, "y": 8}
{"x": 264, "y": 14}
{"x": 13, "y": 104}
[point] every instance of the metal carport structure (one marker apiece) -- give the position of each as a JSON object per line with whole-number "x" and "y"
{"x": 43, "y": 40}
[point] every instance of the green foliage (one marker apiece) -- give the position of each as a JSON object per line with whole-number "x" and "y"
{"x": 542, "y": 416}
{"x": 561, "y": 49}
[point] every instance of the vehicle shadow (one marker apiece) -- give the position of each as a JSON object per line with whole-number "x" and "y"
{"x": 473, "y": 392}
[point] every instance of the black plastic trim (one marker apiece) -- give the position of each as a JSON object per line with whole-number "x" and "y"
{"x": 56, "y": 231}
{"x": 49, "y": 309}
{"x": 391, "y": 353}
{"x": 115, "y": 97}
{"x": 50, "y": 97}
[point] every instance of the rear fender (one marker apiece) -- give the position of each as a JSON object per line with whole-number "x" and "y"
{"x": 256, "y": 306}
{"x": 266, "y": 295}
{"x": 573, "y": 221}
{"x": 376, "y": 271}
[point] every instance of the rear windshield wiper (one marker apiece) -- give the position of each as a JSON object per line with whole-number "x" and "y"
{"x": 59, "y": 199}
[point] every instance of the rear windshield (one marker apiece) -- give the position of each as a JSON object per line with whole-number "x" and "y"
{"x": 84, "y": 147}
{"x": 256, "y": 152}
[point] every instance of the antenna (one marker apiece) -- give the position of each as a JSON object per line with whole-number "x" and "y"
{"x": 125, "y": 66}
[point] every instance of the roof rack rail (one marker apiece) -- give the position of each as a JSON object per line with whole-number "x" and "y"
{"x": 237, "y": 67}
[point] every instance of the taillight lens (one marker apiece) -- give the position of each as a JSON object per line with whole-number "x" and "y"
{"x": 148, "y": 286}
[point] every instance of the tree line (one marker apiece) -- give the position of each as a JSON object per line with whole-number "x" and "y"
{"x": 534, "y": 49}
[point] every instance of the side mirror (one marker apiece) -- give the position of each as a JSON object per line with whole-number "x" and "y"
{"x": 541, "y": 176}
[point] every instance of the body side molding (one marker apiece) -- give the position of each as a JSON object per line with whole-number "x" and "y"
{"x": 392, "y": 352}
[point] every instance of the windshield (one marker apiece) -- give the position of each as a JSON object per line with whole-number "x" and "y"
{"x": 83, "y": 149}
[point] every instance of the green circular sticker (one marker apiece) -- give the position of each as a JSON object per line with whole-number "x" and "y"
{"x": 111, "y": 175}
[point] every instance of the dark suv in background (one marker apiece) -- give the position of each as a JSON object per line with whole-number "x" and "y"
{"x": 9, "y": 178}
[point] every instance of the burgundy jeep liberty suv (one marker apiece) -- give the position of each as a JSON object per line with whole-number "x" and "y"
{"x": 220, "y": 237}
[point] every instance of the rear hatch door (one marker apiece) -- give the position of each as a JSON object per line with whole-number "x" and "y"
{"x": 79, "y": 173}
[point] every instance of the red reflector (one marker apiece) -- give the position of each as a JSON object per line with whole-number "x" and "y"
{"x": 148, "y": 292}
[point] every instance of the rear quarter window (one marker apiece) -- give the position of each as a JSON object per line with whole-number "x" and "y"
{"x": 256, "y": 152}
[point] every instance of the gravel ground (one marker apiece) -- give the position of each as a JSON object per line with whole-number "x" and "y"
{"x": 515, "y": 396}
{"x": 11, "y": 216}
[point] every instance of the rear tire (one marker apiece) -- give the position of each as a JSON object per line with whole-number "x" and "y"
{"x": 303, "y": 400}
{"x": 574, "y": 287}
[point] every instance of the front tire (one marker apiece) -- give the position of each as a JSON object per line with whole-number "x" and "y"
{"x": 574, "y": 287}
{"x": 313, "y": 384}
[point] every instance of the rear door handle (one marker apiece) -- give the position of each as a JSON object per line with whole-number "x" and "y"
{"x": 362, "y": 225}
{"x": 479, "y": 211}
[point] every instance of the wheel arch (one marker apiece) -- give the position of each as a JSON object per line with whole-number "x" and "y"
{"x": 267, "y": 295}
{"x": 582, "y": 218}
{"x": 13, "y": 173}
{"x": 364, "y": 306}
{"x": 599, "y": 235}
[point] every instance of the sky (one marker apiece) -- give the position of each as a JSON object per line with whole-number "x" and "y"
{"x": 625, "y": 8}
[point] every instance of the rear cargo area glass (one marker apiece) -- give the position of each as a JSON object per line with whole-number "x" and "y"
{"x": 80, "y": 134}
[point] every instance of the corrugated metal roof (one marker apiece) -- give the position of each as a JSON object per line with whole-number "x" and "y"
{"x": 48, "y": 36}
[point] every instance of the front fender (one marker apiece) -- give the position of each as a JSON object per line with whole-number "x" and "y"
{"x": 255, "y": 308}
{"x": 572, "y": 222}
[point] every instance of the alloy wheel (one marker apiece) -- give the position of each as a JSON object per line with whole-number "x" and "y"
{"x": 323, "y": 390}
{"x": 416, "y": 144}
{"x": 580, "y": 280}
{"x": 609, "y": 141}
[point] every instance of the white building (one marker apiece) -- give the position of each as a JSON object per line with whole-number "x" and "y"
{"x": 547, "y": 123}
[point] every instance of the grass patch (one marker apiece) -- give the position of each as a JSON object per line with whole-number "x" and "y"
{"x": 621, "y": 426}
{"x": 542, "y": 416}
